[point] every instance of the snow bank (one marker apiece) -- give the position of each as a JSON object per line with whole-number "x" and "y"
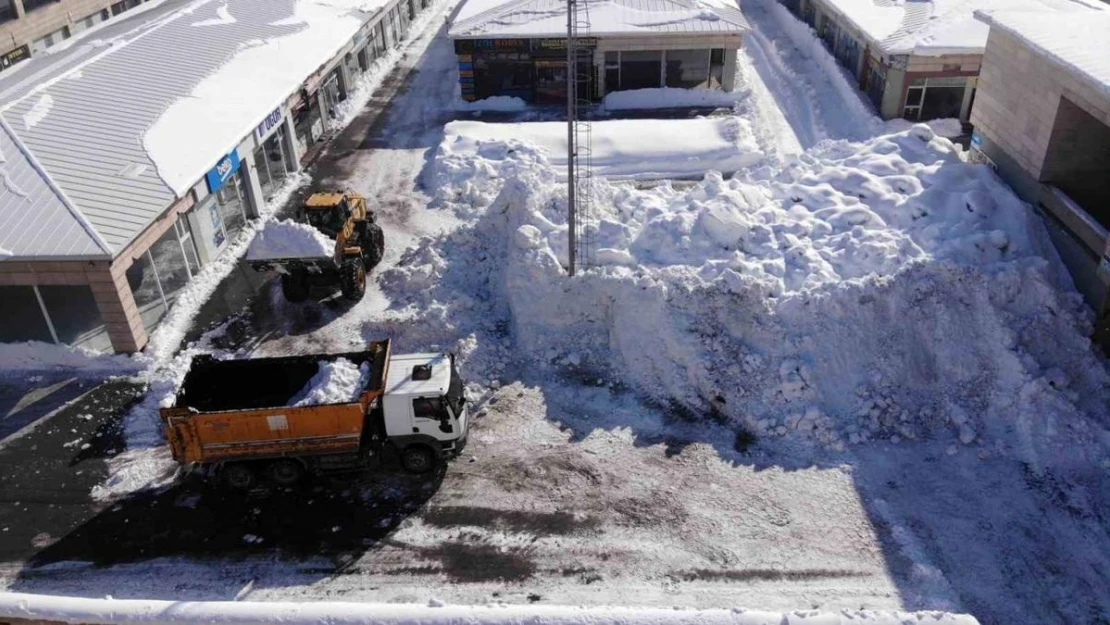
{"x": 878, "y": 291}
{"x": 110, "y": 612}
{"x": 289, "y": 239}
{"x": 949, "y": 127}
{"x": 621, "y": 149}
{"x": 667, "y": 97}
{"x": 337, "y": 381}
{"x": 495, "y": 103}
{"x": 39, "y": 356}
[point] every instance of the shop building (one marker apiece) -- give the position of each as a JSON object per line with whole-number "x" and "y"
{"x": 1042, "y": 119}
{"x": 914, "y": 60}
{"x": 122, "y": 178}
{"x": 518, "y": 48}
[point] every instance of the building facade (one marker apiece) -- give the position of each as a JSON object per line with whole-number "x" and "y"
{"x": 27, "y": 27}
{"x": 82, "y": 264}
{"x": 1042, "y": 119}
{"x": 501, "y": 52}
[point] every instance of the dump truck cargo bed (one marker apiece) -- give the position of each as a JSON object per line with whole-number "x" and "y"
{"x": 244, "y": 409}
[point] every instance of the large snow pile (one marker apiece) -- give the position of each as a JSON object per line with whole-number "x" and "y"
{"x": 337, "y": 381}
{"x": 669, "y": 97}
{"x": 494, "y": 103}
{"x": 286, "y": 238}
{"x": 620, "y": 149}
{"x": 108, "y": 611}
{"x": 866, "y": 291}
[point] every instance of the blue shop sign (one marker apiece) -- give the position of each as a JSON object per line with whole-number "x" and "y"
{"x": 223, "y": 170}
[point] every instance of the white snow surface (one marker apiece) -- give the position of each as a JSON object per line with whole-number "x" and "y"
{"x": 38, "y": 112}
{"x": 286, "y": 238}
{"x": 436, "y": 612}
{"x": 937, "y": 27}
{"x": 229, "y": 103}
{"x": 338, "y": 381}
{"x": 494, "y": 103}
{"x": 1078, "y": 42}
{"x": 623, "y": 148}
{"x": 35, "y": 356}
{"x": 865, "y": 291}
{"x": 669, "y": 97}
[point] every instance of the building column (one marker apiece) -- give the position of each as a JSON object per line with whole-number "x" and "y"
{"x": 965, "y": 108}
{"x": 19, "y": 10}
{"x": 254, "y": 187}
{"x": 293, "y": 152}
{"x": 728, "y": 72}
{"x": 117, "y": 307}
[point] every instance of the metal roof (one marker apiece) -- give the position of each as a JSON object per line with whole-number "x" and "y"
{"x": 82, "y": 113}
{"x": 547, "y": 18}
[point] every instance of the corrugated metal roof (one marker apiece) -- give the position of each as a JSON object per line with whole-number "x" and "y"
{"x": 547, "y": 18}
{"x": 85, "y": 118}
{"x": 34, "y": 214}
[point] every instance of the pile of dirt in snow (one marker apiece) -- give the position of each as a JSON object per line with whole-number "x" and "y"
{"x": 289, "y": 239}
{"x": 336, "y": 382}
{"x": 872, "y": 291}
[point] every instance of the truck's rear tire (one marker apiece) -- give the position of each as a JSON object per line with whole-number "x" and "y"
{"x": 352, "y": 279}
{"x": 237, "y": 476}
{"x": 286, "y": 473}
{"x": 418, "y": 459}
{"x": 294, "y": 288}
{"x": 373, "y": 245}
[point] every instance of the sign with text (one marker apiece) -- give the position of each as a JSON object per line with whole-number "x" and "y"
{"x": 223, "y": 171}
{"x": 268, "y": 125}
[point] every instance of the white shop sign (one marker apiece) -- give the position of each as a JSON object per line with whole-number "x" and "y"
{"x": 270, "y": 124}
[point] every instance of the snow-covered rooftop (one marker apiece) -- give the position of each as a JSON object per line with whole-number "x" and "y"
{"x": 936, "y": 27}
{"x": 548, "y": 18}
{"x": 1078, "y": 42}
{"x": 118, "y": 126}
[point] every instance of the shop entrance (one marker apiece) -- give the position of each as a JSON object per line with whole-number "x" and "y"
{"x": 551, "y": 82}
{"x": 272, "y": 164}
{"x": 231, "y": 201}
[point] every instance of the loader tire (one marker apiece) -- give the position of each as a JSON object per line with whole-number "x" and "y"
{"x": 286, "y": 473}
{"x": 418, "y": 459}
{"x": 373, "y": 245}
{"x": 294, "y": 288}
{"x": 352, "y": 279}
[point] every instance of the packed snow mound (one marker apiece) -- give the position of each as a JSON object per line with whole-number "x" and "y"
{"x": 289, "y": 239}
{"x": 619, "y": 149}
{"x": 34, "y": 356}
{"x": 948, "y": 127}
{"x": 669, "y": 97}
{"x": 883, "y": 290}
{"x": 494, "y": 103}
{"x": 337, "y": 381}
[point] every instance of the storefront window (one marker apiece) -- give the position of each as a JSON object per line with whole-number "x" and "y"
{"x": 687, "y": 69}
{"x": 503, "y": 73}
{"x": 231, "y": 199}
{"x": 21, "y": 317}
{"x": 641, "y": 70}
{"x": 146, "y": 291}
{"x": 331, "y": 95}
{"x": 76, "y": 318}
{"x": 188, "y": 246}
{"x": 269, "y": 161}
{"x": 364, "y": 56}
{"x": 935, "y": 98}
{"x": 158, "y": 276}
{"x": 551, "y": 81}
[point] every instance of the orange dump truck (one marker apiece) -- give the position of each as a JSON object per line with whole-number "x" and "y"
{"x": 278, "y": 419}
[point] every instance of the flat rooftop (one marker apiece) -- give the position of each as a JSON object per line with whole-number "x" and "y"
{"x": 479, "y": 19}
{"x": 937, "y": 27}
{"x": 1078, "y": 43}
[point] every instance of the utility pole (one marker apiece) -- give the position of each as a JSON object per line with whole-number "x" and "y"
{"x": 572, "y": 149}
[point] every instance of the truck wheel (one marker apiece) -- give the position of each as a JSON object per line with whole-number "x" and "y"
{"x": 285, "y": 473}
{"x": 373, "y": 245}
{"x": 294, "y": 288}
{"x": 352, "y": 279}
{"x": 237, "y": 476}
{"x": 418, "y": 459}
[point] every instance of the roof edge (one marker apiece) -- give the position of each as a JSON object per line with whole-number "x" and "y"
{"x": 62, "y": 197}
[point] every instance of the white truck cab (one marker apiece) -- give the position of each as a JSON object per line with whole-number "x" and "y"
{"x": 423, "y": 404}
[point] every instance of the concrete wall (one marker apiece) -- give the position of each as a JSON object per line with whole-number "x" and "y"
{"x": 44, "y": 20}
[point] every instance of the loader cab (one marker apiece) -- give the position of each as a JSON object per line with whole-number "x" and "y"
{"x": 327, "y": 212}
{"x": 424, "y": 402}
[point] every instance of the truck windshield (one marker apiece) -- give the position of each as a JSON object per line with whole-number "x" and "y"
{"x": 455, "y": 391}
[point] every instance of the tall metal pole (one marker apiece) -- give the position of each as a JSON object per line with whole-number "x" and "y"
{"x": 571, "y": 149}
